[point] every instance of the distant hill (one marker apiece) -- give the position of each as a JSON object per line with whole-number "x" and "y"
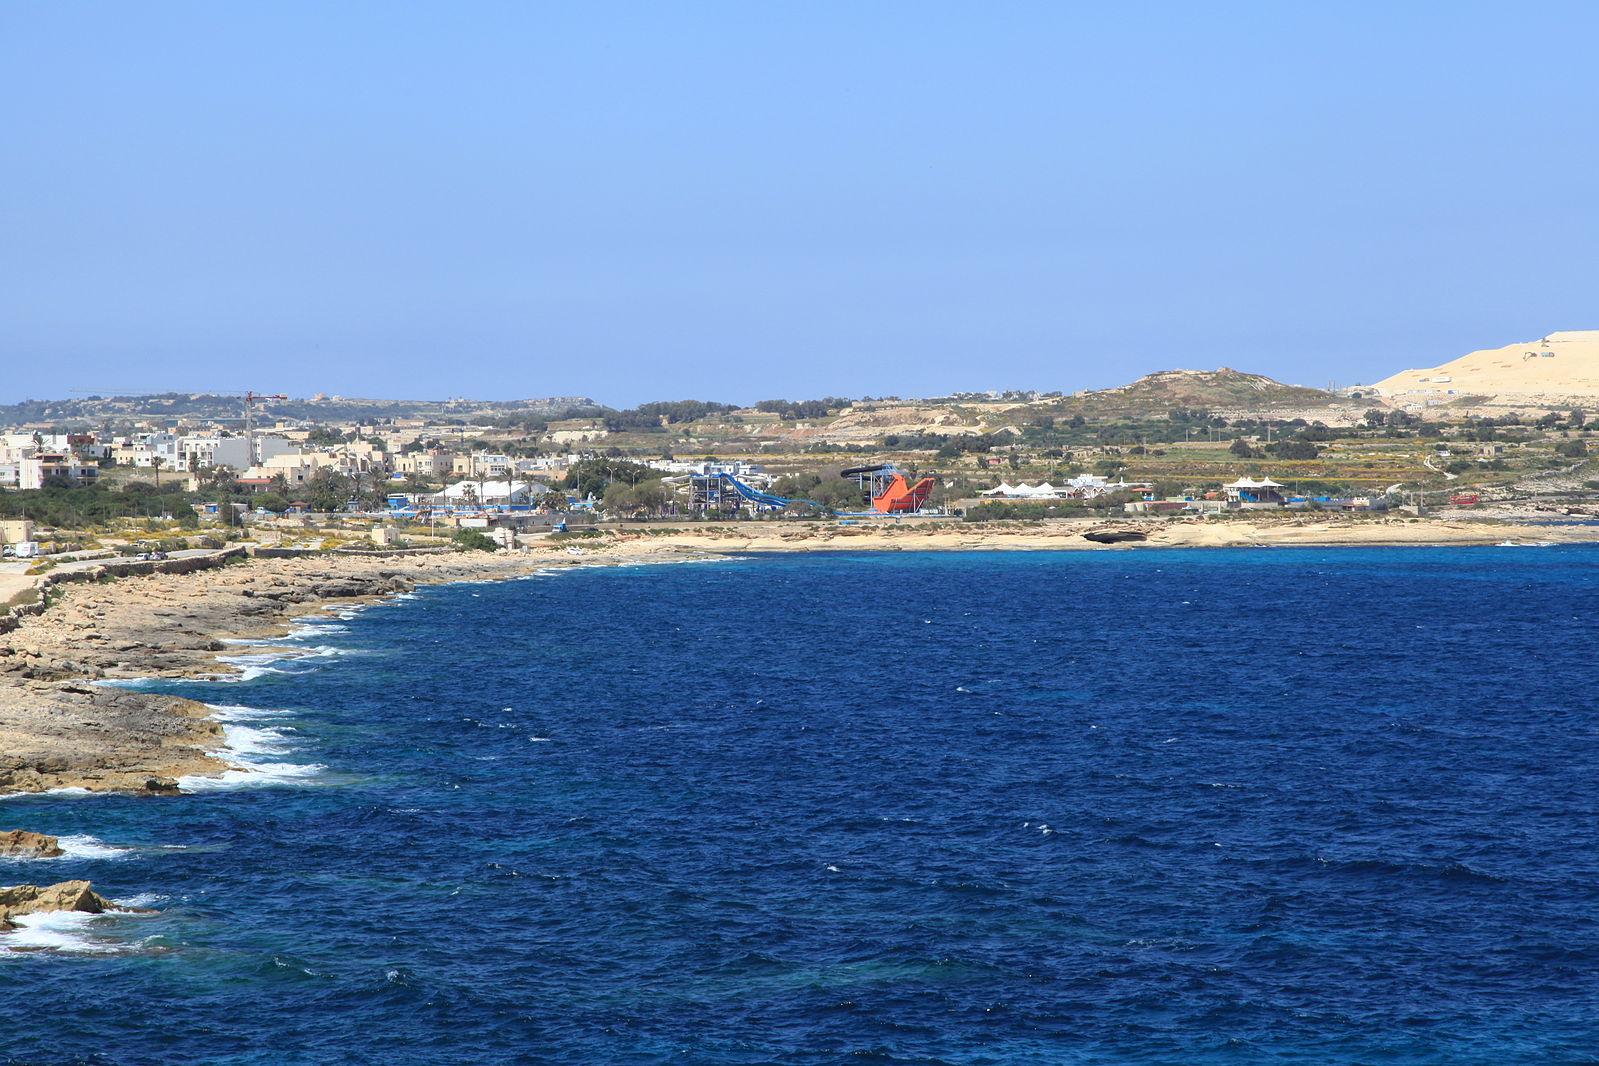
{"x": 1211, "y": 390}
{"x": 1561, "y": 368}
{"x": 1227, "y": 392}
{"x": 94, "y": 410}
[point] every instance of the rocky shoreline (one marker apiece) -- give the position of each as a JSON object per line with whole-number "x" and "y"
{"x": 62, "y": 727}
{"x": 59, "y": 728}
{"x": 1286, "y": 529}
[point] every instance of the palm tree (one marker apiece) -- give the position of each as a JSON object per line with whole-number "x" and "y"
{"x": 156, "y": 461}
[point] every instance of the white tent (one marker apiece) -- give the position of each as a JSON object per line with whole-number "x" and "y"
{"x": 492, "y": 492}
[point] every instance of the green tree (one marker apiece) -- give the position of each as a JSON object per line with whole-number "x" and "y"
{"x": 472, "y": 540}
{"x": 593, "y": 475}
{"x": 644, "y": 498}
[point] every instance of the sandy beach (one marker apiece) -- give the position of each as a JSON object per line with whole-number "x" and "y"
{"x": 63, "y": 726}
{"x": 1285, "y": 530}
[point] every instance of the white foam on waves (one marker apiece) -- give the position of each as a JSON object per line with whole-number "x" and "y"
{"x": 65, "y": 790}
{"x": 54, "y": 931}
{"x": 247, "y": 740}
{"x": 307, "y": 630}
{"x": 68, "y": 931}
{"x": 78, "y": 846}
{"x": 83, "y": 846}
{"x": 247, "y": 749}
{"x": 233, "y": 712}
{"x": 250, "y": 667}
{"x": 255, "y": 664}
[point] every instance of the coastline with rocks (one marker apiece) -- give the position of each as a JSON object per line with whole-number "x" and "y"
{"x": 66, "y": 722}
{"x": 213, "y": 852}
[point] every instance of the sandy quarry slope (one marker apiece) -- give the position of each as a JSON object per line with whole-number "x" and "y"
{"x": 1554, "y": 370}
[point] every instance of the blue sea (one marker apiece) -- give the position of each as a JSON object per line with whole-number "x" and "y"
{"x": 1234, "y": 806}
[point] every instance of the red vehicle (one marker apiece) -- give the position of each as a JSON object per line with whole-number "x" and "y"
{"x": 1465, "y": 499}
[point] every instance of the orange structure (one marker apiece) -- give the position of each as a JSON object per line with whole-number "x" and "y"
{"x": 900, "y": 496}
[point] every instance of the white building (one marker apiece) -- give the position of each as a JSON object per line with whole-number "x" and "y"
{"x": 132, "y": 453}
{"x": 28, "y": 460}
{"x": 196, "y": 453}
{"x": 483, "y": 464}
{"x": 41, "y": 467}
{"x": 431, "y": 463}
{"x": 268, "y": 446}
{"x": 735, "y": 467}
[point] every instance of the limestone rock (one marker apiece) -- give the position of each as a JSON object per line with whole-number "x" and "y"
{"x": 33, "y": 899}
{"x": 19, "y": 843}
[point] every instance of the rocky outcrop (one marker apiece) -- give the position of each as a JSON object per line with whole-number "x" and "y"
{"x": 1115, "y": 536}
{"x": 34, "y": 899}
{"x": 57, "y": 730}
{"x": 71, "y": 735}
{"x": 21, "y": 844}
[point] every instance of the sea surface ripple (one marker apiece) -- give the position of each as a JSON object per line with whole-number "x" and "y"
{"x": 1286, "y": 805}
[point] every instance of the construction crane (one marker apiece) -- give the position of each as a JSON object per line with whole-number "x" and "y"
{"x": 251, "y": 398}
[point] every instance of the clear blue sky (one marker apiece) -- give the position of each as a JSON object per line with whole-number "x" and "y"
{"x": 750, "y": 200}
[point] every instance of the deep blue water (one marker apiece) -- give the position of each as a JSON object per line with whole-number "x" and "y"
{"x": 1191, "y": 807}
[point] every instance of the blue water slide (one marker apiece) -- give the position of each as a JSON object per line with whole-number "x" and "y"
{"x": 763, "y": 499}
{"x": 755, "y": 496}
